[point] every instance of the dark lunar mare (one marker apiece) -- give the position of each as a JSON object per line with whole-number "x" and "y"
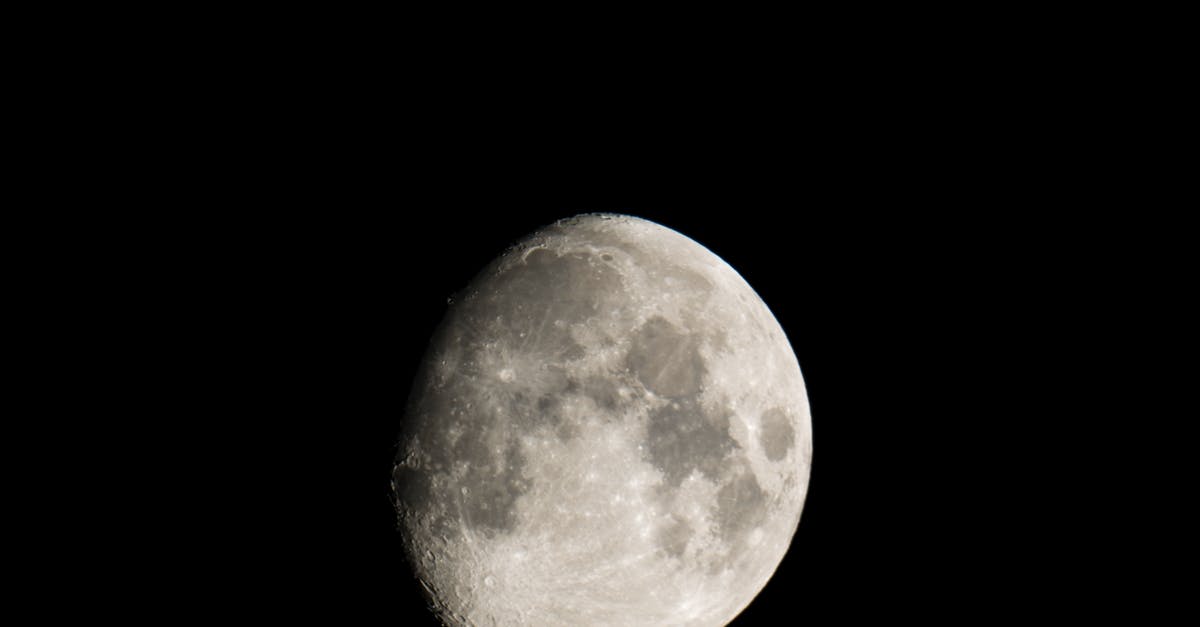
{"x": 468, "y": 470}
{"x": 776, "y": 435}
{"x": 673, "y": 539}
{"x": 666, "y": 360}
{"x": 741, "y": 505}
{"x": 505, "y": 364}
{"x": 682, "y": 437}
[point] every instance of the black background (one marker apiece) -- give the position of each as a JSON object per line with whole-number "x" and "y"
{"x": 253, "y": 224}
{"x": 966, "y": 225}
{"x": 909, "y": 252}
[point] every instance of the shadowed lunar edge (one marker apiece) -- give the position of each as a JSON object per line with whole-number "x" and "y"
{"x": 549, "y": 338}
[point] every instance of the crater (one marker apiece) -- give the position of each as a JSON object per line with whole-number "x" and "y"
{"x": 681, "y": 438}
{"x": 776, "y": 435}
{"x": 666, "y": 360}
{"x": 682, "y": 280}
{"x": 741, "y": 505}
{"x": 532, "y": 305}
{"x": 686, "y": 282}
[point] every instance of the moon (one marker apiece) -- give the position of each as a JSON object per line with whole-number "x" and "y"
{"x": 609, "y": 428}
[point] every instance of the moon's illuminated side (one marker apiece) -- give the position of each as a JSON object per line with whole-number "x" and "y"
{"x": 610, "y": 428}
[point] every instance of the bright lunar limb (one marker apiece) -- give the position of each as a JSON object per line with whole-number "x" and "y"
{"x": 610, "y": 428}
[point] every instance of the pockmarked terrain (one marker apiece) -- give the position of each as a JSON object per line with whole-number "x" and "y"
{"x": 609, "y": 428}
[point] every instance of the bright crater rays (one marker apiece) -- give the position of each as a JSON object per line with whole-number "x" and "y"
{"x": 610, "y": 428}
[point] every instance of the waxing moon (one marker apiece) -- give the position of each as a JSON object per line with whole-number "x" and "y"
{"x": 609, "y": 428}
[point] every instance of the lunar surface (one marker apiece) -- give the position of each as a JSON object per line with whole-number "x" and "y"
{"x": 610, "y": 428}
